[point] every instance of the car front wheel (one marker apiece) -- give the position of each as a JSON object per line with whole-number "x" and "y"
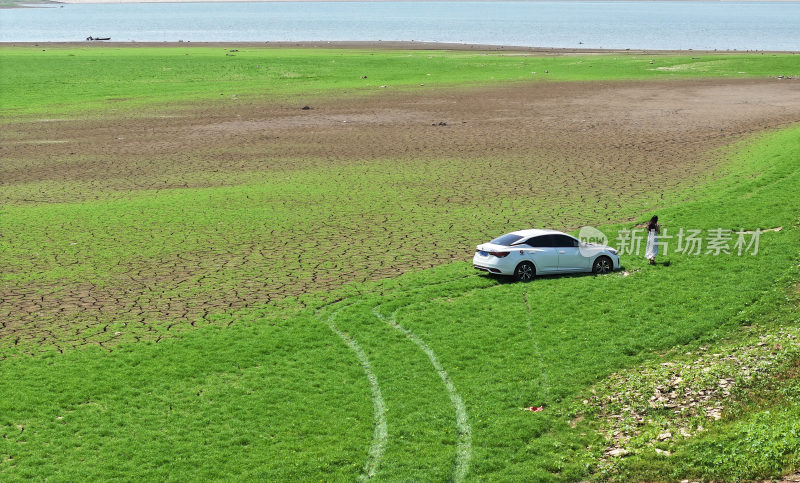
{"x": 524, "y": 272}
{"x": 602, "y": 266}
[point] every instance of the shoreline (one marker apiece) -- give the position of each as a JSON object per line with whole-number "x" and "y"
{"x": 385, "y": 45}
{"x": 5, "y": 4}
{"x": 78, "y": 2}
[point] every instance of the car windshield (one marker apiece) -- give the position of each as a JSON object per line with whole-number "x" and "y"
{"x": 506, "y": 240}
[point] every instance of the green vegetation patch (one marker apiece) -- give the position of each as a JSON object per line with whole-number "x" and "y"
{"x": 55, "y": 81}
{"x": 280, "y": 399}
{"x": 763, "y": 444}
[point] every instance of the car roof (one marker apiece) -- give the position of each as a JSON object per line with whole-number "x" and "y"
{"x": 536, "y": 232}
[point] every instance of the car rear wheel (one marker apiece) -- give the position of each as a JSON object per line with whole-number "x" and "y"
{"x": 524, "y": 272}
{"x": 602, "y": 266}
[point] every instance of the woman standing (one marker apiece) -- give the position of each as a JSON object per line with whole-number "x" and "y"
{"x": 653, "y": 229}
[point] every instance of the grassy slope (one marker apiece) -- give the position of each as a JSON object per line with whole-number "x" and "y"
{"x": 280, "y": 387}
{"x": 59, "y": 80}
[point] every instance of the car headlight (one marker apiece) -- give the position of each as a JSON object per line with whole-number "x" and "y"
{"x": 613, "y": 250}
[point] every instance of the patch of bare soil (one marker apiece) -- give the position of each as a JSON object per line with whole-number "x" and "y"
{"x": 543, "y": 139}
{"x": 656, "y": 128}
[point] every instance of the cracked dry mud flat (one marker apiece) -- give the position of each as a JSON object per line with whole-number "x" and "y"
{"x": 440, "y": 170}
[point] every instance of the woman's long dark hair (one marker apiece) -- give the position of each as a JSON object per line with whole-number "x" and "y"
{"x": 653, "y": 223}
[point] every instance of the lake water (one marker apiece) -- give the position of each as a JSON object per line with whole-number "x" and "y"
{"x": 594, "y": 24}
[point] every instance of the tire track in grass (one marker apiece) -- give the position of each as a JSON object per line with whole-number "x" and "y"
{"x": 380, "y": 436}
{"x": 464, "y": 444}
{"x": 381, "y": 433}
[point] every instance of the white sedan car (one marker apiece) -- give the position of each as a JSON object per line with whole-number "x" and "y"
{"x": 527, "y": 253}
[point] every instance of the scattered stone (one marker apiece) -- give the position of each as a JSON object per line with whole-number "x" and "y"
{"x": 617, "y": 452}
{"x": 305, "y": 108}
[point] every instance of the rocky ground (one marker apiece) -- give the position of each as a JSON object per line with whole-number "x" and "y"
{"x": 651, "y": 407}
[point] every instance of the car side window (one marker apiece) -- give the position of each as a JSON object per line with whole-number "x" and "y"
{"x": 565, "y": 241}
{"x": 541, "y": 241}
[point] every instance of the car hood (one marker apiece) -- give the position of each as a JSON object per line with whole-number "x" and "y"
{"x": 594, "y": 248}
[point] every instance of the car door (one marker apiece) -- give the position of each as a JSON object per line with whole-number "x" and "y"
{"x": 570, "y": 258}
{"x": 545, "y": 256}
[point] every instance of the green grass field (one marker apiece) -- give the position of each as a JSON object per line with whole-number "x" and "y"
{"x": 417, "y": 377}
{"x": 59, "y": 80}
